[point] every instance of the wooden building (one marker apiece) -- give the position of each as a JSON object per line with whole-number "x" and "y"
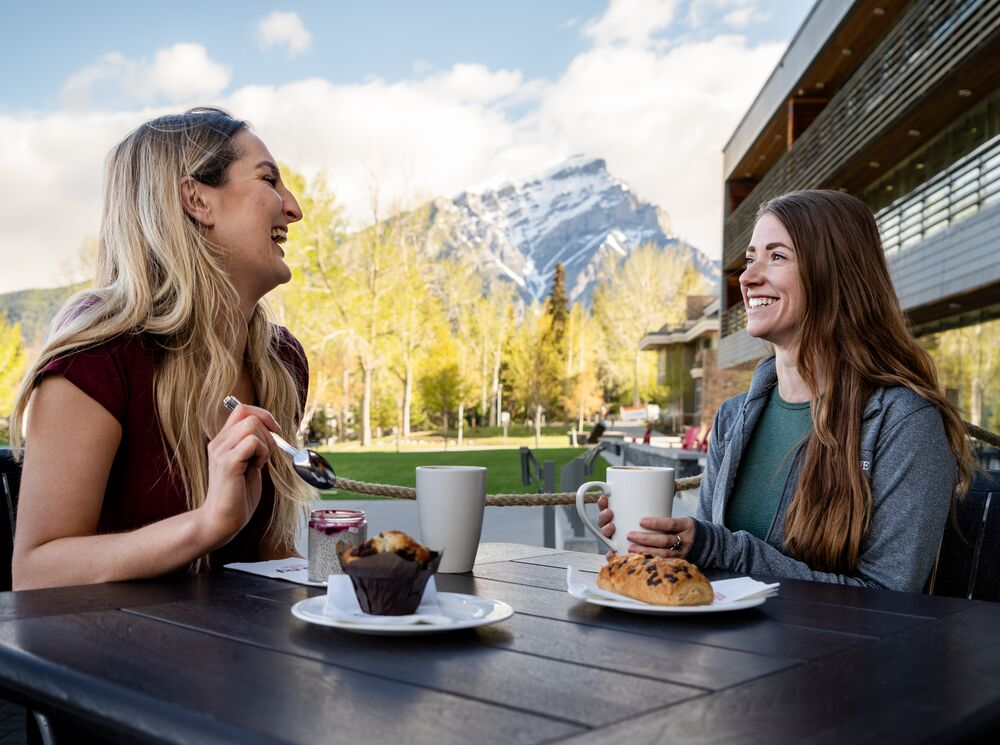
{"x": 898, "y": 103}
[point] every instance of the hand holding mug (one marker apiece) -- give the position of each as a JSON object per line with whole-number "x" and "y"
{"x": 666, "y": 532}
{"x": 635, "y": 493}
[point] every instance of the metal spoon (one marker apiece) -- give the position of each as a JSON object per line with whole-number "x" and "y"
{"x": 310, "y": 465}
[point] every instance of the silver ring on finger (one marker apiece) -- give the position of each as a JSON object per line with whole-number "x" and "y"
{"x": 678, "y": 544}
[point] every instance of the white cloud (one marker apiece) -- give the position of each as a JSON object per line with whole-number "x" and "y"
{"x": 284, "y": 30}
{"x": 661, "y": 120}
{"x": 737, "y": 14}
{"x": 54, "y": 164}
{"x": 185, "y": 71}
{"x": 659, "y": 115}
{"x": 631, "y": 21}
{"x": 179, "y": 73}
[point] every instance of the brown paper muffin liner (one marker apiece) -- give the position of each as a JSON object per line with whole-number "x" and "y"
{"x": 389, "y": 585}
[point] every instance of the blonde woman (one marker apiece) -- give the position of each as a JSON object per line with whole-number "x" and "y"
{"x": 132, "y": 468}
{"x": 841, "y": 461}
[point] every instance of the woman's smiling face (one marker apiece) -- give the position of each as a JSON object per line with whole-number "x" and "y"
{"x": 250, "y": 218}
{"x": 772, "y": 289}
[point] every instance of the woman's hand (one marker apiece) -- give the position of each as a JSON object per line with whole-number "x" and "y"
{"x": 665, "y": 533}
{"x": 235, "y": 458}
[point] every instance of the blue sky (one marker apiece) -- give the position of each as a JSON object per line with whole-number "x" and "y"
{"x": 424, "y": 97}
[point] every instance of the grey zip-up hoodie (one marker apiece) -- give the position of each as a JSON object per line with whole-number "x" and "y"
{"x": 911, "y": 469}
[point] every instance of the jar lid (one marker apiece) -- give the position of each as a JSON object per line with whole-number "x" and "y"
{"x": 336, "y": 517}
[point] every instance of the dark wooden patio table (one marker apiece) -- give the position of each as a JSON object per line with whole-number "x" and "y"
{"x": 221, "y": 659}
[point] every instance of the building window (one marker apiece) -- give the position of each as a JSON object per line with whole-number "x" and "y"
{"x": 968, "y": 363}
{"x": 965, "y": 134}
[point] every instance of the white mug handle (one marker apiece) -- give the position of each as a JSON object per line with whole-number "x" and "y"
{"x": 580, "y": 493}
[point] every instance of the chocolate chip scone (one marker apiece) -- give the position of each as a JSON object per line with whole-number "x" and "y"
{"x": 656, "y": 580}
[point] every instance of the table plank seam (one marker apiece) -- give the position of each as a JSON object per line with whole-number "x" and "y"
{"x": 845, "y": 635}
{"x": 361, "y": 671}
{"x": 776, "y": 622}
{"x": 794, "y": 660}
{"x": 812, "y": 601}
{"x": 520, "y": 558}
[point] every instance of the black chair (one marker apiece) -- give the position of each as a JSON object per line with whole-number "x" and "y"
{"x": 968, "y": 563}
{"x": 40, "y": 729}
{"x": 10, "y": 483}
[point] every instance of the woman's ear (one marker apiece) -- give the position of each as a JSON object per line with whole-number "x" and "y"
{"x": 193, "y": 201}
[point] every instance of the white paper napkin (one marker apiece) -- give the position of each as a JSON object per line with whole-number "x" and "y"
{"x": 294, "y": 569}
{"x": 342, "y": 605}
{"x": 742, "y": 588}
{"x": 580, "y": 584}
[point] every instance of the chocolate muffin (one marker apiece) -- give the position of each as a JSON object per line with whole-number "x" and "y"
{"x": 389, "y": 572}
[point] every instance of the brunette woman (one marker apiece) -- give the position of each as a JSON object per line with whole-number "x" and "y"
{"x": 839, "y": 464}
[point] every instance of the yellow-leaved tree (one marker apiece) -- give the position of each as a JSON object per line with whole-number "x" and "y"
{"x": 13, "y": 362}
{"x": 641, "y": 292}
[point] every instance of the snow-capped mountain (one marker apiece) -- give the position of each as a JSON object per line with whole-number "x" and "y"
{"x": 575, "y": 213}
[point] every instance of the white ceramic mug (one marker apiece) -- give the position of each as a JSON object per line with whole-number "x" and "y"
{"x": 634, "y": 492}
{"x": 450, "y": 505}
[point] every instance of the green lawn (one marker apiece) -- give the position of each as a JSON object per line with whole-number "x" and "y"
{"x": 503, "y": 477}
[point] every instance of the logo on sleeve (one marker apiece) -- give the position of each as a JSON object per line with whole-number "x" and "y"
{"x": 866, "y": 465}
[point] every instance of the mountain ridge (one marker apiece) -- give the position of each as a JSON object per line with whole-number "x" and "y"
{"x": 575, "y": 213}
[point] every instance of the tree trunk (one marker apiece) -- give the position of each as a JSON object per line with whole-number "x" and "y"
{"x": 366, "y": 409}
{"x": 976, "y": 407}
{"x": 484, "y": 404}
{"x": 407, "y": 398}
{"x": 445, "y": 429}
{"x": 635, "y": 377}
{"x": 484, "y": 395}
{"x": 342, "y": 422}
{"x": 461, "y": 422}
{"x": 538, "y": 424}
{"x": 496, "y": 386}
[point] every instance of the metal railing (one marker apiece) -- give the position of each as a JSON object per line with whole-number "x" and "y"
{"x": 957, "y": 193}
{"x": 733, "y": 319}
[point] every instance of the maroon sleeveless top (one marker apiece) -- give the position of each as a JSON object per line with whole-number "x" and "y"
{"x": 142, "y": 489}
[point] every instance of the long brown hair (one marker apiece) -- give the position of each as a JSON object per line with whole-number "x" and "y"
{"x": 853, "y": 338}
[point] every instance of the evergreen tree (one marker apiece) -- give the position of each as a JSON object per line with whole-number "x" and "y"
{"x": 558, "y": 307}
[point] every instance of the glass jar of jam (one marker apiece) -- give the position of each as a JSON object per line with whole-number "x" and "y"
{"x": 327, "y": 528}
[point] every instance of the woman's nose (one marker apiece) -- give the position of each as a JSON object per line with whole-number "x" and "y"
{"x": 748, "y": 276}
{"x": 292, "y": 210}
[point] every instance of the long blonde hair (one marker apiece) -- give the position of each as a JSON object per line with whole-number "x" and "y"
{"x": 157, "y": 274}
{"x": 848, "y": 294}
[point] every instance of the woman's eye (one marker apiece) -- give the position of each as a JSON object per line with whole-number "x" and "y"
{"x": 271, "y": 180}
{"x": 749, "y": 261}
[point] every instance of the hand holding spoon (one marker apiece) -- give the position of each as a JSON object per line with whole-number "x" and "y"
{"x": 309, "y": 465}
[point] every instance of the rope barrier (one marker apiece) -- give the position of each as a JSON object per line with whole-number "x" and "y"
{"x": 559, "y": 498}
{"x": 493, "y": 500}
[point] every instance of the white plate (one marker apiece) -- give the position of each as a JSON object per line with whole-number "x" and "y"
{"x": 469, "y": 611}
{"x": 584, "y": 587}
{"x": 658, "y": 610}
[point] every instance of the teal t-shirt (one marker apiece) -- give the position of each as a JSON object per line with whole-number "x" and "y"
{"x": 766, "y": 462}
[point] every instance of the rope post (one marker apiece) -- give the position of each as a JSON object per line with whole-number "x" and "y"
{"x": 549, "y": 512}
